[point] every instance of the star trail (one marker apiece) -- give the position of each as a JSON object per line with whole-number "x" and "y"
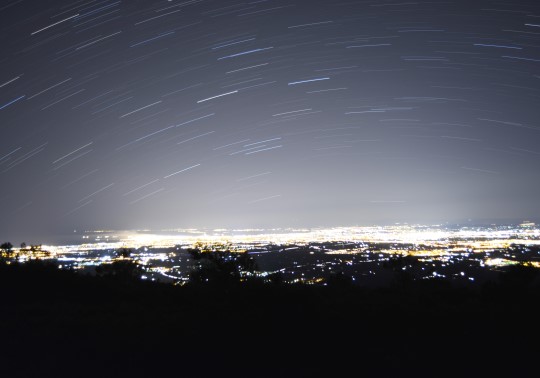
{"x": 205, "y": 113}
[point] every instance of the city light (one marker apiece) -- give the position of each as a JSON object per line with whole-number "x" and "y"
{"x": 309, "y": 255}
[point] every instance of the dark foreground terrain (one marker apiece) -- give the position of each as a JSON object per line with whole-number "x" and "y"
{"x": 57, "y": 323}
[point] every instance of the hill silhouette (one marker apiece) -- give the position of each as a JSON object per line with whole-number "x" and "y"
{"x": 60, "y": 323}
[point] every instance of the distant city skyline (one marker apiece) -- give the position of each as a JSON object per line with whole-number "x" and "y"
{"x": 266, "y": 114}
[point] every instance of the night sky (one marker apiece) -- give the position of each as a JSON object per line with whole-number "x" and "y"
{"x": 275, "y": 113}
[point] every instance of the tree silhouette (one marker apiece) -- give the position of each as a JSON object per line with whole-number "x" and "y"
{"x": 121, "y": 270}
{"x": 399, "y": 265}
{"x": 124, "y": 269}
{"x": 339, "y": 280}
{"x": 124, "y": 253}
{"x": 7, "y": 250}
{"x": 520, "y": 276}
{"x": 218, "y": 265}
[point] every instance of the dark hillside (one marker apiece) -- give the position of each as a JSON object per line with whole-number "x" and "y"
{"x": 58, "y": 323}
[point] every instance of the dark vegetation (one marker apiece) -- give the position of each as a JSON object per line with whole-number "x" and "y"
{"x": 60, "y": 323}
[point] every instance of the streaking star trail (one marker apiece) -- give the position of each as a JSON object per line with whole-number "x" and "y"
{"x": 217, "y": 114}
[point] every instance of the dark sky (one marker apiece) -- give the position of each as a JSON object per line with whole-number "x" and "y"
{"x": 275, "y": 113}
